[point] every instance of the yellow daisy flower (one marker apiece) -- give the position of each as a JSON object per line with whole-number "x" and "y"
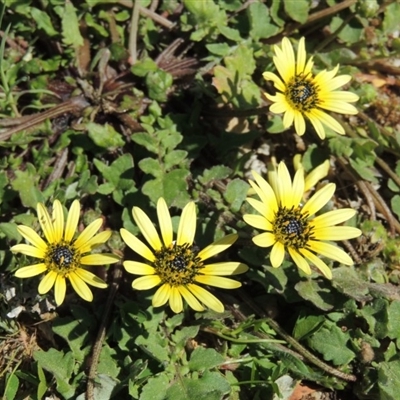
{"x": 176, "y": 265}
{"x": 63, "y": 256}
{"x": 300, "y": 94}
{"x": 292, "y": 226}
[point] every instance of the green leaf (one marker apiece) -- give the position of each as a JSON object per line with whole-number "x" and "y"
{"x": 182, "y": 335}
{"x": 235, "y": 193}
{"x": 155, "y": 388}
{"x": 61, "y": 366}
{"x": 219, "y": 49}
{"x": 395, "y": 203}
{"x": 331, "y": 342}
{"x": 202, "y": 359}
{"x": 391, "y": 19}
{"x": 376, "y": 315}
{"x": 43, "y": 21}
{"x": 314, "y": 291}
{"x": 260, "y": 21}
{"x": 351, "y": 32}
{"x": 211, "y": 386}
{"x": 146, "y": 140}
{"x": 10, "y": 230}
{"x": 107, "y": 364}
{"x": 174, "y": 158}
{"x": 158, "y": 83}
{"x": 119, "y": 173}
{"x": 307, "y": 325}
{"x": 104, "y": 388}
{"x": 70, "y": 26}
{"x": 154, "y": 344}
{"x": 104, "y": 136}
{"x": 151, "y": 166}
{"x": 346, "y": 280}
{"x": 217, "y": 172}
{"x": 394, "y": 320}
{"x": 42, "y": 386}
{"x": 75, "y": 333}
{"x": 143, "y": 67}
{"x": 11, "y": 387}
{"x": 297, "y": 10}
{"x": 25, "y": 183}
{"x": 229, "y": 33}
{"x": 389, "y": 380}
{"x": 172, "y": 186}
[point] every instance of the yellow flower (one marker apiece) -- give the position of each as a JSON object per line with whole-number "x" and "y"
{"x": 63, "y": 256}
{"x": 300, "y": 94}
{"x": 177, "y": 265}
{"x": 292, "y": 226}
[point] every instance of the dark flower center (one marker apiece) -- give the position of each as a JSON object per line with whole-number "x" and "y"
{"x": 177, "y": 265}
{"x": 62, "y": 258}
{"x": 302, "y": 93}
{"x": 292, "y": 228}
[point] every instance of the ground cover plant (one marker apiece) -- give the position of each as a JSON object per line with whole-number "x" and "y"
{"x": 199, "y": 199}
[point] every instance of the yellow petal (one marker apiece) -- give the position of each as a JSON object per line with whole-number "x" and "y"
{"x": 88, "y": 233}
{"x": 72, "y": 221}
{"x": 60, "y": 287}
{"x": 99, "y": 259}
{"x": 175, "y": 300}
{"x": 46, "y": 223}
{"x": 90, "y": 278}
{"x": 187, "y": 225}
{"x": 300, "y": 261}
{"x": 298, "y": 188}
{"x": 30, "y": 235}
{"x": 58, "y": 221}
{"x": 284, "y": 186}
{"x": 218, "y": 281}
{"x": 136, "y": 245}
{"x": 30, "y": 270}
{"x": 265, "y": 239}
{"x": 28, "y": 250}
{"x": 331, "y": 251}
{"x": 47, "y": 282}
{"x": 218, "y": 246}
{"x": 299, "y": 123}
{"x": 224, "y": 268}
{"x": 257, "y": 221}
{"x": 319, "y": 128}
{"x": 336, "y": 233}
{"x": 164, "y": 219}
{"x": 146, "y": 282}
{"x": 277, "y": 254}
{"x": 190, "y": 299}
{"x": 334, "y": 217}
{"x": 267, "y": 195}
{"x": 301, "y": 56}
{"x": 206, "y": 298}
{"x": 316, "y": 175}
{"x": 161, "y": 296}
{"x": 147, "y": 228}
{"x": 317, "y": 262}
{"x": 95, "y": 241}
{"x": 138, "y": 268}
{"x": 319, "y": 199}
{"x": 80, "y": 287}
{"x": 269, "y": 76}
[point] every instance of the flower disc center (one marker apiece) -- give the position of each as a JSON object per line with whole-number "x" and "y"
{"x": 302, "y": 93}
{"x": 177, "y": 265}
{"x": 291, "y": 227}
{"x": 61, "y": 258}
